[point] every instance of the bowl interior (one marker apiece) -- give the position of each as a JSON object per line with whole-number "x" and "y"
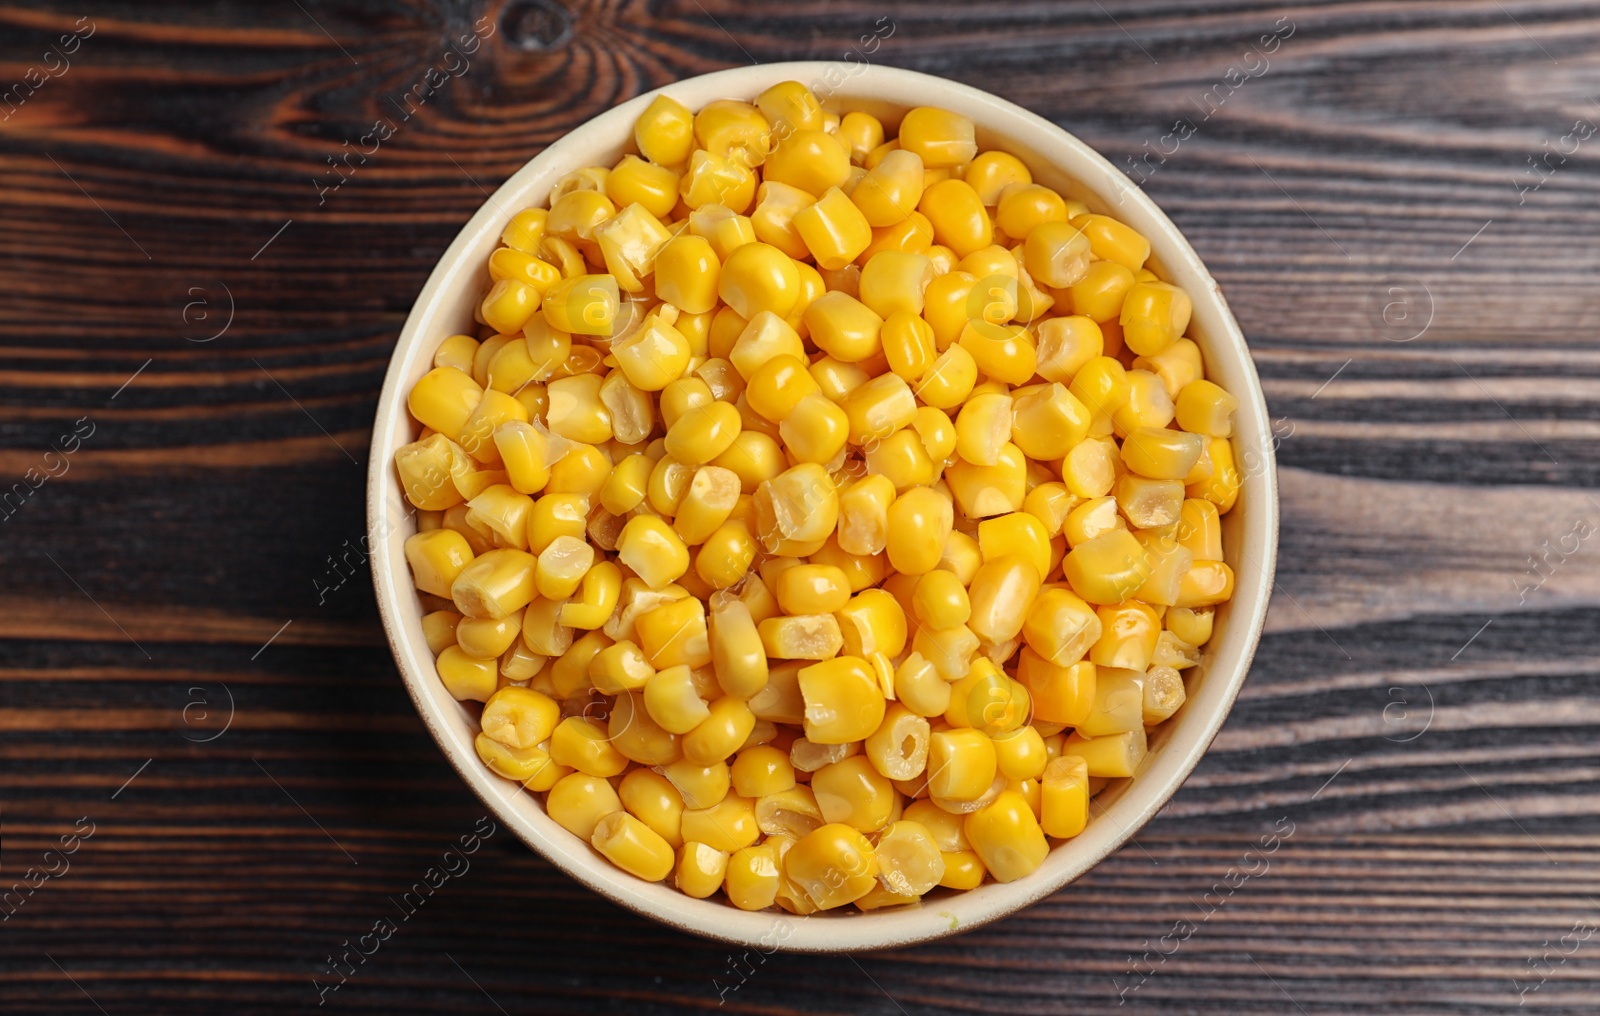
{"x": 1055, "y": 158}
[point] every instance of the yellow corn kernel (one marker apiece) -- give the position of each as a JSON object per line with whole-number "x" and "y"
{"x": 843, "y": 702}
{"x": 760, "y": 772}
{"x": 726, "y": 555}
{"x": 652, "y": 186}
{"x": 908, "y": 343}
{"x": 940, "y": 601}
{"x": 707, "y": 504}
{"x": 1222, "y": 489}
{"x": 1114, "y": 241}
{"x": 947, "y": 306}
{"x": 700, "y": 870}
{"x": 949, "y": 380}
{"x": 773, "y": 218}
{"x": 578, "y": 204}
{"x": 582, "y": 470}
{"x": 717, "y": 179}
{"x": 1191, "y": 624}
{"x": 529, "y": 766}
{"x": 1100, "y": 292}
{"x": 444, "y": 399}
{"x": 864, "y": 515}
{"x": 893, "y": 282}
{"x": 672, "y": 701}
{"x": 542, "y": 631}
{"x": 855, "y": 794}
{"x": 992, "y": 172}
{"x": 831, "y": 866}
{"x": 437, "y": 558}
{"x": 765, "y": 338}
{"x": 1051, "y": 503}
{"x": 1160, "y": 453}
{"x": 983, "y": 427}
{"x": 758, "y": 277}
{"x": 1057, "y": 254}
{"x": 810, "y": 160}
{"x": 1128, "y": 636}
{"x": 466, "y": 677}
{"x": 961, "y": 764}
{"x": 1090, "y": 467}
{"x": 722, "y": 228}
{"x": 1112, "y": 756}
{"x": 1149, "y": 504}
{"x": 637, "y": 736}
{"x": 920, "y": 687}
{"x": 802, "y": 637}
{"x": 702, "y": 786}
{"x": 493, "y": 410}
{"x": 633, "y": 846}
{"x": 950, "y": 650}
{"x": 703, "y": 433}
{"x": 508, "y": 305}
{"x": 815, "y": 430}
{"x": 898, "y": 749}
{"x": 801, "y": 504}
{"x": 938, "y": 136}
{"x": 1204, "y": 408}
{"x": 629, "y": 242}
{"x": 812, "y": 589}
{"x": 937, "y": 433}
{"x": 872, "y": 622}
{"x": 891, "y": 190}
{"x": 487, "y": 350}
{"x": 777, "y": 385}
{"x": 1108, "y": 568}
{"x": 1177, "y": 366}
{"x": 722, "y": 733}
{"x": 525, "y": 230}
{"x": 579, "y": 801}
{"x": 1020, "y": 754}
{"x": 1066, "y": 345}
{"x": 1154, "y": 316}
{"x": 1007, "y": 837}
{"x": 833, "y": 229}
{"x": 1148, "y": 404}
{"x": 1015, "y": 534}
{"x": 1206, "y": 584}
{"x": 439, "y": 628}
{"x": 494, "y": 584}
{"x": 1163, "y": 694}
{"x": 582, "y": 744}
{"x": 844, "y": 327}
{"x": 729, "y": 825}
{"x": 584, "y": 305}
{"x": 963, "y": 869}
{"x": 982, "y": 491}
{"x": 458, "y": 351}
{"x": 674, "y": 633}
{"x": 790, "y": 106}
{"x": 556, "y": 515}
{"x": 1048, "y": 421}
{"x": 619, "y": 667}
{"x": 1101, "y": 384}
{"x": 753, "y": 877}
{"x": 664, "y": 132}
{"x": 919, "y": 522}
{"x": 1021, "y": 209}
{"x": 879, "y": 408}
{"x": 1060, "y": 694}
{"x": 957, "y": 216}
{"x": 653, "y": 356}
{"x": 1065, "y": 797}
{"x": 561, "y": 567}
{"x": 902, "y": 459}
{"x": 652, "y": 550}
{"x": 1200, "y": 530}
{"x": 486, "y": 638}
{"x": 988, "y": 700}
{"x": 1060, "y": 627}
{"x": 651, "y": 798}
{"x": 625, "y": 485}
{"x": 754, "y": 458}
{"x": 861, "y": 133}
{"x": 575, "y": 410}
{"x": 686, "y": 274}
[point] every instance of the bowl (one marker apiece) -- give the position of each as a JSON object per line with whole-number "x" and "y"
{"x": 1057, "y": 159}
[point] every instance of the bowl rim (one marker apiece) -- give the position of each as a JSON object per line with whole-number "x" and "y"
{"x": 1130, "y": 809}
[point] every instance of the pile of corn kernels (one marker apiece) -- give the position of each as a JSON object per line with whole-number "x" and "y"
{"x": 820, "y": 517}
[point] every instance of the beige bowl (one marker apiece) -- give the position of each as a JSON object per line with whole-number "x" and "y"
{"x": 1250, "y": 531}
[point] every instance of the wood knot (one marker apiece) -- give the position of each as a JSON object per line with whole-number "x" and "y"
{"x": 536, "y": 25}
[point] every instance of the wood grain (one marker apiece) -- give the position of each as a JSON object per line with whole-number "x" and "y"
{"x": 1422, "y": 712}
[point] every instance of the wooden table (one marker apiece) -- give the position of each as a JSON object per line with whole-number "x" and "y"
{"x": 1399, "y": 199}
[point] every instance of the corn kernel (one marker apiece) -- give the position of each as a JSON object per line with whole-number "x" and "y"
{"x": 1113, "y": 756}
{"x": 1114, "y": 241}
{"x": 1007, "y": 837}
{"x": 465, "y": 677}
{"x": 633, "y": 846}
{"x": 961, "y": 764}
{"x": 982, "y": 491}
{"x": 1065, "y": 793}
{"x": 652, "y": 550}
{"x": 664, "y": 132}
{"x": 585, "y": 305}
{"x": 832, "y": 866}
{"x": 1107, "y": 568}
{"x": 578, "y": 802}
{"x": 833, "y": 229}
{"x": 1204, "y": 408}
{"x": 729, "y": 825}
{"x": 957, "y": 216}
{"x": 919, "y": 522}
{"x": 938, "y": 136}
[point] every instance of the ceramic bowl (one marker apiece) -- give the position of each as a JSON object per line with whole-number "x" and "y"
{"x": 1057, "y": 159}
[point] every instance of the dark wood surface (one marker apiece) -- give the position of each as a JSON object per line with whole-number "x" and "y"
{"x": 1422, "y": 712}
